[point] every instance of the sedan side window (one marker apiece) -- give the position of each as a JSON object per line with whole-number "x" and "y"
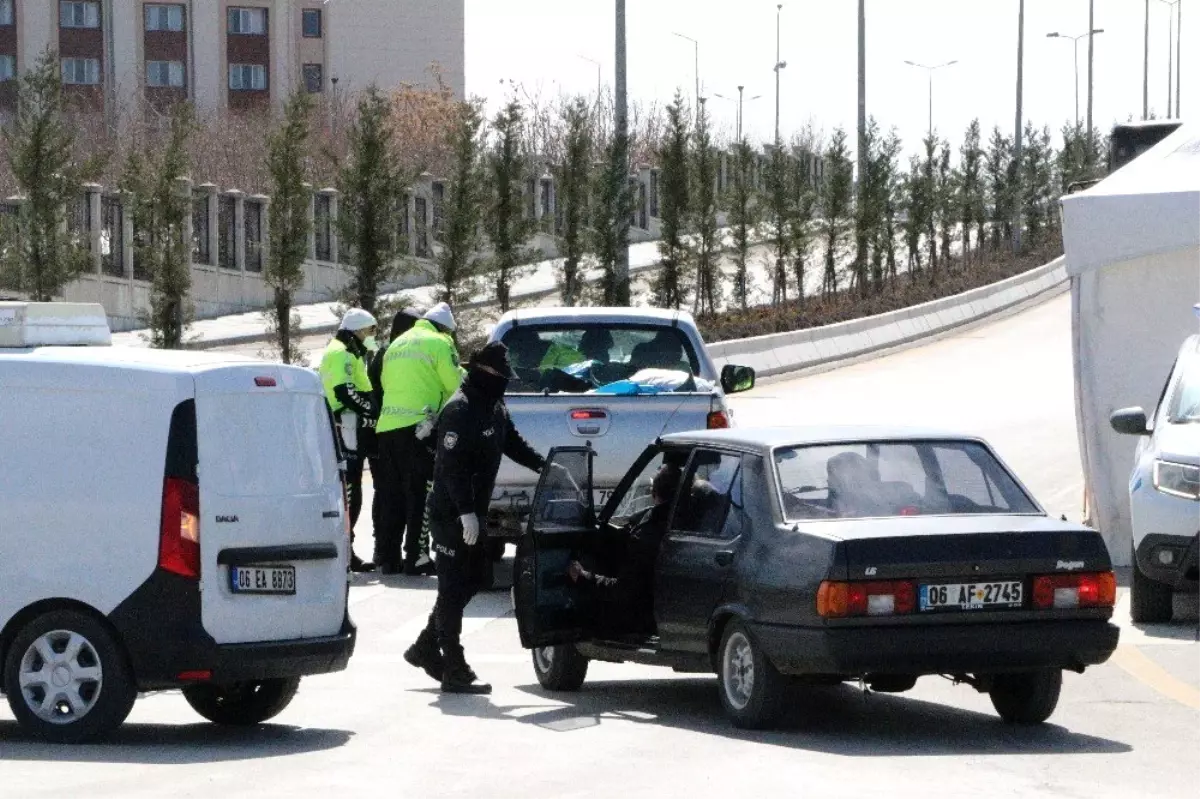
{"x": 706, "y": 493}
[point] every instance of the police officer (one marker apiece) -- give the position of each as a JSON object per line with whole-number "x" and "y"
{"x": 348, "y": 391}
{"x": 387, "y": 503}
{"x": 472, "y": 434}
{"x": 420, "y": 372}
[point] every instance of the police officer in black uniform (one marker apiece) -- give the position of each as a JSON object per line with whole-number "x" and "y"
{"x": 473, "y": 432}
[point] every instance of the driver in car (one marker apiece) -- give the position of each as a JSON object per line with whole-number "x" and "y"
{"x": 626, "y": 601}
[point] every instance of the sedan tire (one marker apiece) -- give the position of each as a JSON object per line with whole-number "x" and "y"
{"x": 751, "y": 687}
{"x": 560, "y": 668}
{"x": 1027, "y": 697}
{"x": 242, "y": 704}
{"x": 67, "y": 678}
{"x": 1150, "y": 602}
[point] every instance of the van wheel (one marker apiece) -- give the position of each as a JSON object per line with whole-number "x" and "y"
{"x": 1026, "y": 697}
{"x": 560, "y": 668}
{"x": 1150, "y": 602}
{"x": 242, "y": 704}
{"x": 67, "y": 678}
{"x": 751, "y": 687}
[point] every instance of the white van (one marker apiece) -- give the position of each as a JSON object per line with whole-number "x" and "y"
{"x": 168, "y": 519}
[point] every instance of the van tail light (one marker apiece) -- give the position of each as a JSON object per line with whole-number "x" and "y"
{"x": 879, "y": 598}
{"x": 718, "y": 420}
{"x": 1096, "y": 590}
{"x": 179, "y": 538}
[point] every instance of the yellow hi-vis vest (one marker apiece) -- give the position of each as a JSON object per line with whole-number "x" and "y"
{"x": 420, "y": 370}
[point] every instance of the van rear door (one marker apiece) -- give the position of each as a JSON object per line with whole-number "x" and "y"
{"x": 273, "y": 543}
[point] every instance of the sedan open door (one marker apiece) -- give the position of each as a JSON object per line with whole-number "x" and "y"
{"x": 563, "y": 516}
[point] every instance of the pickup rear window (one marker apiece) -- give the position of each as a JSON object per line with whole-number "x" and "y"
{"x": 578, "y": 358}
{"x": 903, "y": 478}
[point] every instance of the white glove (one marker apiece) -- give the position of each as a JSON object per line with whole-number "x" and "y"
{"x": 470, "y": 523}
{"x": 424, "y": 428}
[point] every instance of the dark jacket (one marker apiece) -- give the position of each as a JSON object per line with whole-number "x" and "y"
{"x": 633, "y": 586}
{"x": 472, "y": 435}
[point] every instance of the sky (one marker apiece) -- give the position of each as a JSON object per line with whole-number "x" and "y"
{"x": 543, "y": 44}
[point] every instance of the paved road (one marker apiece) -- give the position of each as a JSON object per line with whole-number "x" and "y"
{"x": 1129, "y": 728}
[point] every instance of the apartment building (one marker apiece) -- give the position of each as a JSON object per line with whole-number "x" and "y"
{"x": 231, "y": 54}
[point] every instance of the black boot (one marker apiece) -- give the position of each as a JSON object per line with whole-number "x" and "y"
{"x": 359, "y": 566}
{"x": 424, "y": 654}
{"x": 459, "y": 678}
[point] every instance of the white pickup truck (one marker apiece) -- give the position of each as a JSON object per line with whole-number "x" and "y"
{"x": 614, "y": 377}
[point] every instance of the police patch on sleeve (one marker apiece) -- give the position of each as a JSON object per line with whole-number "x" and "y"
{"x": 450, "y": 440}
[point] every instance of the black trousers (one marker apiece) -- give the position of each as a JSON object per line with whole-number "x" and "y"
{"x": 407, "y": 466}
{"x": 354, "y": 475}
{"x": 460, "y": 573}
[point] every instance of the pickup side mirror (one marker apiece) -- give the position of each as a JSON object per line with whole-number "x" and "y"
{"x": 1129, "y": 422}
{"x": 735, "y": 379}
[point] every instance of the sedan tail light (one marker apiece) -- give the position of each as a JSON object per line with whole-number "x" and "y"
{"x": 880, "y": 598}
{"x": 1096, "y": 590}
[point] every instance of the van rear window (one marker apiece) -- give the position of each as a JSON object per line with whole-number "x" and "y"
{"x": 256, "y": 445}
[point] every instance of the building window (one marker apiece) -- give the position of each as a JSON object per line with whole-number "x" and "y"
{"x": 312, "y": 23}
{"x": 81, "y": 71}
{"x": 79, "y": 15}
{"x": 8, "y": 67}
{"x": 314, "y": 78}
{"x": 248, "y": 21}
{"x": 164, "y": 18}
{"x": 247, "y": 77}
{"x": 6, "y": 12}
{"x": 164, "y": 74}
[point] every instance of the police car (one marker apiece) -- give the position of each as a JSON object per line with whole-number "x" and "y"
{"x": 1164, "y": 491}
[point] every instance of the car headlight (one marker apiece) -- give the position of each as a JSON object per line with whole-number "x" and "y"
{"x": 1177, "y": 479}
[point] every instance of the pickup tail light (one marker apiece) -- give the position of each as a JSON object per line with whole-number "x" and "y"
{"x": 1095, "y": 590}
{"x": 179, "y": 537}
{"x": 718, "y": 420}
{"x": 878, "y": 598}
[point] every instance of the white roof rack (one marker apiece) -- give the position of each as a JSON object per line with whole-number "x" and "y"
{"x": 53, "y": 324}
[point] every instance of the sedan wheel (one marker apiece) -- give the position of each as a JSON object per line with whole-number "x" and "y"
{"x": 1026, "y": 697}
{"x": 67, "y": 678}
{"x": 751, "y": 688}
{"x": 560, "y": 668}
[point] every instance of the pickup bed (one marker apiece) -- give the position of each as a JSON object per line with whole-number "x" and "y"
{"x": 578, "y": 368}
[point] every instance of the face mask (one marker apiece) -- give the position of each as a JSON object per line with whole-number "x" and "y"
{"x": 489, "y": 385}
{"x": 370, "y": 343}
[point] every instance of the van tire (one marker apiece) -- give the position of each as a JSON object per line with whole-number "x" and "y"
{"x": 242, "y": 704}
{"x": 1027, "y": 697}
{"x": 1150, "y": 602}
{"x": 751, "y": 687}
{"x": 108, "y": 695}
{"x": 560, "y": 668}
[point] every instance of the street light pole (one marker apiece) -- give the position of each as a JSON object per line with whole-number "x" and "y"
{"x": 1178, "y": 56}
{"x": 1091, "y": 52}
{"x": 1017, "y": 150}
{"x": 1075, "y": 41}
{"x": 599, "y": 82}
{"x": 1146, "y": 67}
{"x": 696, "y": 46}
{"x": 1171, "y": 5}
{"x": 620, "y": 101}
{"x": 862, "y": 98}
{"x": 740, "y": 103}
{"x": 931, "y": 70}
{"x": 779, "y": 65}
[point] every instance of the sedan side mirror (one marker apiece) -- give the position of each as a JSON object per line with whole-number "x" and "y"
{"x": 735, "y": 379}
{"x": 1129, "y": 422}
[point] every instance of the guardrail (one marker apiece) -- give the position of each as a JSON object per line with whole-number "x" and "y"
{"x": 778, "y": 353}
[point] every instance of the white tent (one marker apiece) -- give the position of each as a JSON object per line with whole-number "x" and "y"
{"x": 1133, "y": 252}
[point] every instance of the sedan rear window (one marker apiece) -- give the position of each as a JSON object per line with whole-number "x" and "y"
{"x": 580, "y": 358}
{"x": 884, "y": 479}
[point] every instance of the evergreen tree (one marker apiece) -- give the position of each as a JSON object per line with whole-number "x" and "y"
{"x": 914, "y": 204}
{"x": 40, "y": 256}
{"x": 878, "y": 207}
{"x": 800, "y": 219}
{"x": 970, "y": 186}
{"x": 669, "y": 289}
{"x": 507, "y": 226}
{"x": 778, "y": 213}
{"x": 288, "y": 221}
{"x": 572, "y": 180}
{"x": 369, "y": 211}
{"x": 614, "y": 203}
{"x": 1037, "y": 183}
{"x": 706, "y": 246}
{"x": 929, "y": 207}
{"x": 458, "y": 266}
{"x": 947, "y": 197}
{"x": 998, "y": 167}
{"x": 743, "y": 219}
{"x": 158, "y": 210}
{"x": 836, "y": 206}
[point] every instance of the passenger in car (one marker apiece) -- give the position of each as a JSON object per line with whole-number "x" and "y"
{"x": 854, "y": 490}
{"x": 626, "y": 601}
{"x": 664, "y": 351}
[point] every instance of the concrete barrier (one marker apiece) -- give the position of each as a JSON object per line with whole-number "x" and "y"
{"x": 777, "y": 353}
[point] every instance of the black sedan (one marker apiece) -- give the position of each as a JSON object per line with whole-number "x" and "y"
{"x": 817, "y": 555}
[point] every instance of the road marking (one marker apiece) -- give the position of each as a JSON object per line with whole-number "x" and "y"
{"x": 1146, "y": 671}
